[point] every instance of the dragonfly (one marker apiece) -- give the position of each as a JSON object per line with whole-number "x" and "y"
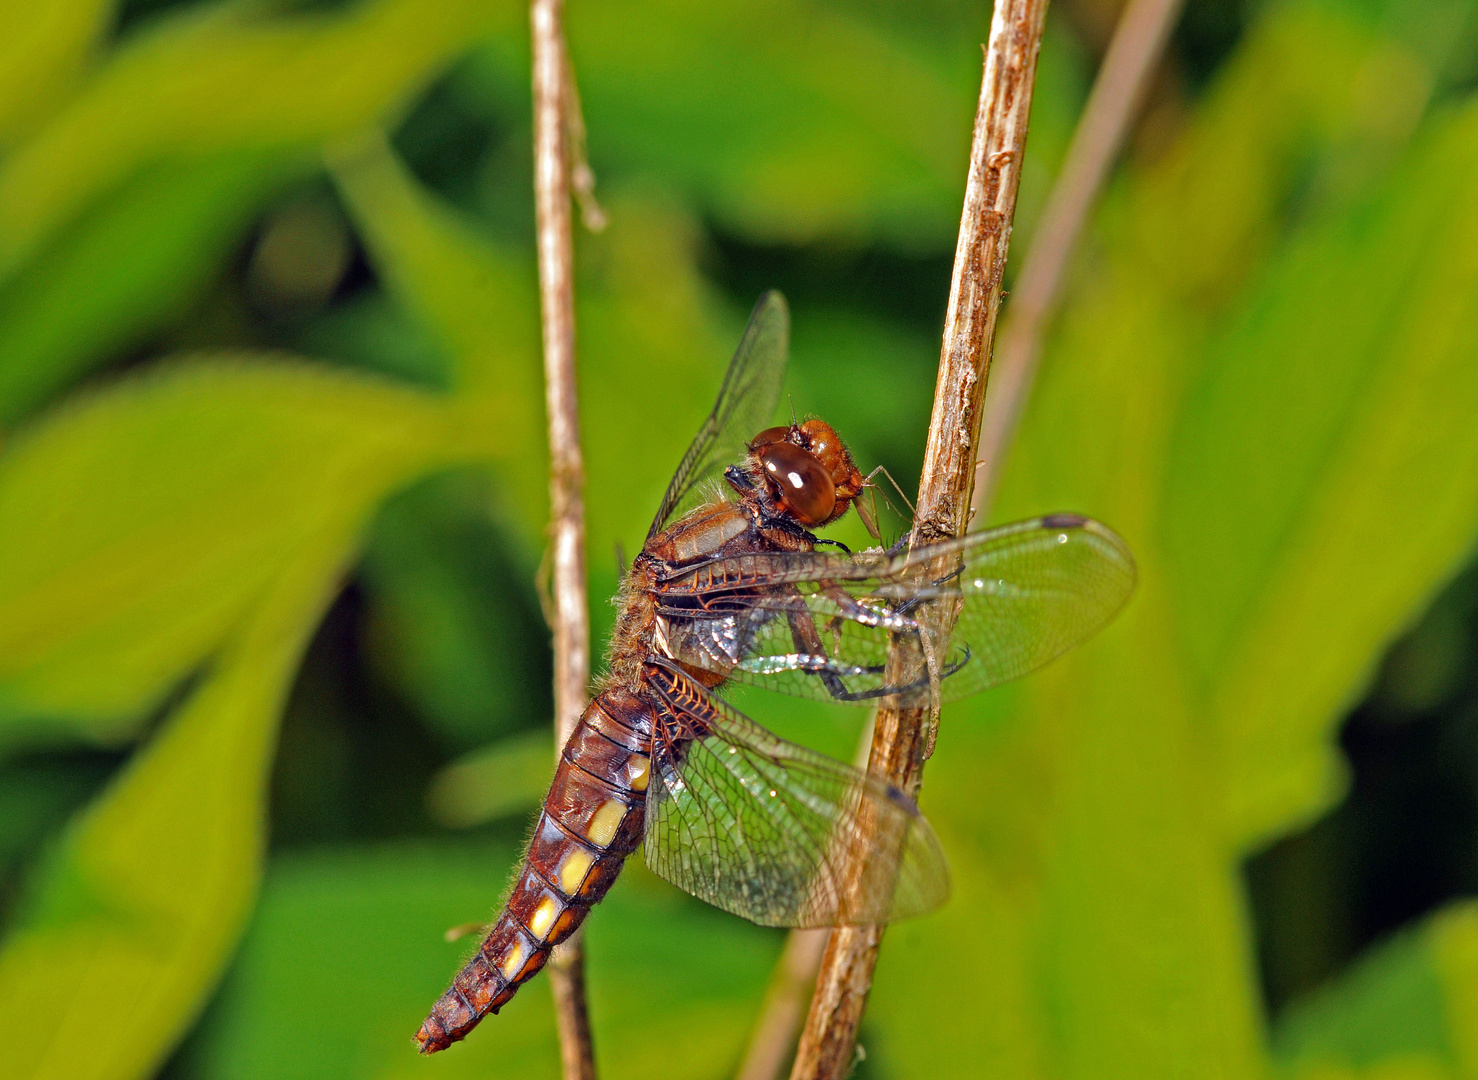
{"x": 733, "y": 586}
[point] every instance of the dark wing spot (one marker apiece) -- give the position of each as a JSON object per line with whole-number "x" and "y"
{"x": 1063, "y": 521}
{"x": 897, "y": 795}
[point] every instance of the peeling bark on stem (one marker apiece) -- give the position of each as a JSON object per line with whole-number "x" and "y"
{"x": 903, "y": 738}
{"x": 571, "y": 623}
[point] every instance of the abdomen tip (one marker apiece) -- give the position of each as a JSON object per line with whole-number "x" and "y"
{"x": 431, "y": 1038}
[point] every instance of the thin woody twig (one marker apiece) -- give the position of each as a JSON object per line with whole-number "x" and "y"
{"x": 571, "y": 624}
{"x": 1138, "y": 42}
{"x": 903, "y": 738}
{"x": 582, "y": 177}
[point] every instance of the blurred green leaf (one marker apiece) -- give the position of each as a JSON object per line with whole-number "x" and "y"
{"x": 373, "y": 332}
{"x": 1356, "y": 358}
{"x": 773, "y": 130}
{"x": 216, "y": 79}
{"x": 1411, "y": 998}
{"x": 509, "y": 776}
{"x": 154, "y": 882}
{"x": 1390, "y": 1005}
{"x": 137, "y": 524}
{"x": 44, "y": 49}
{"x": 1428, "y": 667}
{"x": 452, "y": 623}
{"x": 1454, "y": 943}
{"x": 477, "y": 299}
{"x": 36, "y": 797}
{"x": 128, "y": 265}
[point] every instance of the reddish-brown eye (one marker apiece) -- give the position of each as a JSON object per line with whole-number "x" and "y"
{"x": 768, "y": 436}
{"x": 800, "y": 482}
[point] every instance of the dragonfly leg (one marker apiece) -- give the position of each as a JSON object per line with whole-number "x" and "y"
{"x": 835, "y": 543}
{"x": 912, "y": 605}
{"x": 808, "y": 642}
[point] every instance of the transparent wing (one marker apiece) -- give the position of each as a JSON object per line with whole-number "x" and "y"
{"x": 822, "y": 626}
{"x": 769, "y": 830}
{"x": 746, "y": 405}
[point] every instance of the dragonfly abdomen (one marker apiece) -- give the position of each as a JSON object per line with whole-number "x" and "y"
{"x": 592, "y": 819}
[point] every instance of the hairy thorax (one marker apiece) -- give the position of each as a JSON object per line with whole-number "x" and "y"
{"x": 719, "y": 529}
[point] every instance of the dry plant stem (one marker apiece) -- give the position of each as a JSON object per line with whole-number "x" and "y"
{"x": 582, "y": 178}
{"x": 566, "y": 468}
{"x": 903, "y": 738}
{"x": 1138, "y": 42}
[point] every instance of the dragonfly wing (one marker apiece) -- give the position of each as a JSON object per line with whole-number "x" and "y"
{"x": 1032, "y": 592}
{"x": 746, "y": 405}
{"x": 822, "y": 626}
{"x": 769, "y": 830}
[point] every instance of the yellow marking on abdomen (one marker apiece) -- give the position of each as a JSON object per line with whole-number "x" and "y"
{"x": 577, "y": 863}
{"x": 543, "y": 918}
{"x": 513, "y": 963}
{"x": 639, "y": 770}
{"x": 605, "y": 821}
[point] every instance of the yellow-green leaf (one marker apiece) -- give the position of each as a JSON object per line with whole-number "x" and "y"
{"x": 43, "y": 48}
{"x": 136, "y": 259}
{"x": 140, "y": 908}
{"x": 215, "y": 79}
{"x": 506, "y": 777}
{"x": 138, "y": 523}
{"x": 1326, "y": 482}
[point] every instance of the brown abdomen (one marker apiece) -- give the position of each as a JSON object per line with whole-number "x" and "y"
{"x": 592, "y": 820}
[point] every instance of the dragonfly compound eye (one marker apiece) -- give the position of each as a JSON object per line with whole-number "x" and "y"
{"x": 768, "y": 436}
{"x": 799, "y": 482}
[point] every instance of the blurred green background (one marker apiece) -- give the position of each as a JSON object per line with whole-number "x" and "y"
{"x": 274, "y": 681}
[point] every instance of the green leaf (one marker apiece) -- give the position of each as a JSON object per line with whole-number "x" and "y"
{"x": 1409, "y": 999}
{"x": 373, "y": 332}
{"x": 43, "y": 49}
{"x": 772, "y": 130}
{"x": 138, "y": 524}
{"x": 510, "y": 776}
{"x": 1389, "y": 1005}
{"x": 155, "y": 881}
{"x": 452, "y": 623}
{"x": 1454, "y": 937}
{"x": 133, "y": 262}
{"x": 212, "y": 80}
{"x": 1345, "y": 399}
{"x": 478, "y": 299}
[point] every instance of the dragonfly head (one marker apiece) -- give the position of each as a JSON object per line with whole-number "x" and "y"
{"x": 806, "y": 471}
